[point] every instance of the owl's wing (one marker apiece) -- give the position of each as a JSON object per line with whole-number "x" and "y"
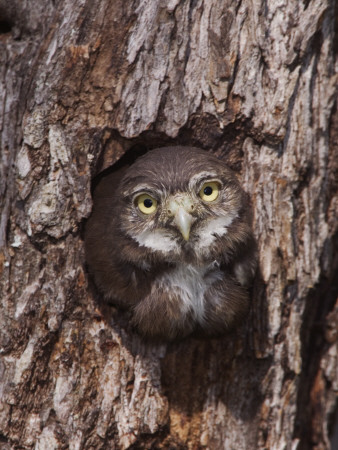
{"x": 245, "y": 265}
{"x": 112, "y": 276}
{"x": 238, "y": 250}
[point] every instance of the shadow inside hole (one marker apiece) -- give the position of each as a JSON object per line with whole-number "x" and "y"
{"x": 5, "y": 26}
{"x": 125, "y": 161}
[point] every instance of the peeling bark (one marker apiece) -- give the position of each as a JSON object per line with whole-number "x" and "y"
{"x": 85, "y": 82}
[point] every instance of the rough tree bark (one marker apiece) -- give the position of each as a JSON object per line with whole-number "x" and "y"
{"x": 83, "y": 82}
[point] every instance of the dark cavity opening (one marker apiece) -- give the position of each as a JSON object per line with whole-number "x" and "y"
{"x": 5, "y": 26}
{"x": 126, "y": 160}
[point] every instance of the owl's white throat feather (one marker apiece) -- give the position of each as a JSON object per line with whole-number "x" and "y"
{"x": 190, "y": 282}
{"x": 165, "y": 241}
{"x": 159, "y": 240}
{"x": 212, "y": 229}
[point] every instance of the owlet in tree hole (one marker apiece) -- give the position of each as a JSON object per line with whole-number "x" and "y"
{"x": 170, "y": 240}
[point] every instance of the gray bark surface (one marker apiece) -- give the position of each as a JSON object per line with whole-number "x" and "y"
{"x": 82, "y": 82}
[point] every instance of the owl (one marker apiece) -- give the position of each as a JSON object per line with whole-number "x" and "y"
{"x": 170, "y": 240}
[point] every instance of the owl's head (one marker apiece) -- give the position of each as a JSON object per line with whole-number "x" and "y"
{"x": 179, "y": 201}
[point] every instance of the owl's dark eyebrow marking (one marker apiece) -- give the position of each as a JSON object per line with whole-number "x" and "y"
{"x": 143, "y": 189}
{"x": 203, "y": 176}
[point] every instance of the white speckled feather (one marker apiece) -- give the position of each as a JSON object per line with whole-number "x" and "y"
{"x": 212, "y": 229}
{"x": 159, "y": 240}
{"x": 190, "y": 282}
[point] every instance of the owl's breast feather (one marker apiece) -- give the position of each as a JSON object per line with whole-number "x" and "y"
{"x": 189, "y": 282}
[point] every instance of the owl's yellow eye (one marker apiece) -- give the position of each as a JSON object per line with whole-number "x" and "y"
{"x": 146, "y": 203}
{"x": 209, "y": 191}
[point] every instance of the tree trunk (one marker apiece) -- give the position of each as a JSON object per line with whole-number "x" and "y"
{"x": 82, "y": 83}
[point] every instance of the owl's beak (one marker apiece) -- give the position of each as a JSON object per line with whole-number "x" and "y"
{"x": 179, "y": 207}
{"x": 183, "y": 221}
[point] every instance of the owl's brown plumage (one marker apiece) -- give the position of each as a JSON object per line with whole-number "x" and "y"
{"x": 170, "y": 239}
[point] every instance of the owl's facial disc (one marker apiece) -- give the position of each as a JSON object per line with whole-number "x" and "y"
{"x": 180, "y": 208}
